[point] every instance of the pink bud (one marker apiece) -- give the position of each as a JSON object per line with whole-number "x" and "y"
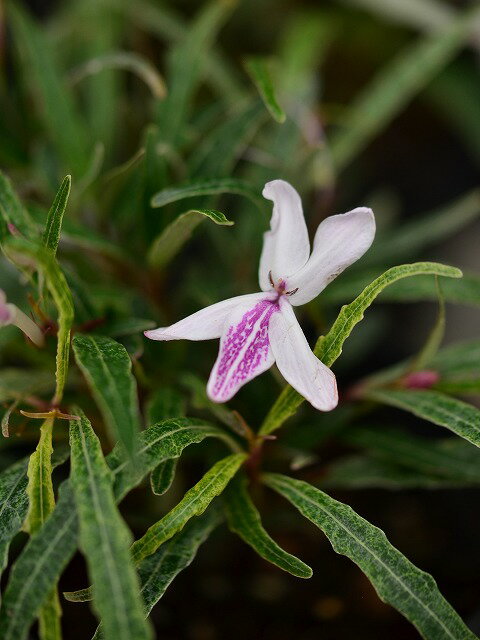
{"x": 421, "y": 379}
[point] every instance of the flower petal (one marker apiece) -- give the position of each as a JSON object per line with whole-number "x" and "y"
{"x": 244, "y": 349}
{"x": 340, "y": 240}
{"x": 297, "y": 363}
{"x": 205, "y": 324}
{"x": 5, "y": 310}
{"x": 286, "y": 246}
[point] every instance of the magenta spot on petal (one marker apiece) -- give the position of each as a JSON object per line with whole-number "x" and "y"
{"x": 244, "y": 349}
{"x": 421, "y": 379}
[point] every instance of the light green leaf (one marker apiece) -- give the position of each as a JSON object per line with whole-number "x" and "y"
{"x": 172, "y": 238}
{"x": 107, "y": 368}
{"x": 460, "y": 417}
{"x": 258, "y": 70}
{"x": 13, "y": 505}
{"x": 62, "y": 297}
{"x": 194, "y": 503}
{"x": 45, "y": 555}
{"x": 126, "y": 61}
{"x": 51, "y": 236}
{"x": 162, "y": 476}
{"x": 397, "y": 581}
{"x": 244, "y": 519}
{"x": 13, "y": 212}
{"x": 59, "y": 112}
{"x": 204, "y": 188}
{"x": 104, "y": 538}
{"x": 396, "y": 84}
{"x": 329, "y": 347}
{"x": 40, "y": 487}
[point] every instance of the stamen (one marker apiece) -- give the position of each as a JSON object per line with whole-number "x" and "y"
{"x": 290, "y": 293}
{"x": 270, "y": 278}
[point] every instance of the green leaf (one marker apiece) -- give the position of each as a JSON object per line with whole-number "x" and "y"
{"x": 126, "y": 61}
{"x": 162, "y": 476}
{"x": 258, "y": 70}
{"x": 59, "y": 112}
{"x": 62, "y": 297}
{"x": 169, "y": 242}
{"x": 329, "y": 347}
{"x": 13, "y": 505}
{"x": 13, "y": 212}
{"x": 40, "y": 486}
{"x": 397, "y": 581}
{"x": 15, "y": 384}
{"x": 51, "y": 236}
{"x": 444, "y": 411}
{"x": 107, "y": 368}
{"x": 46, "y": 554}
{"x": 448, "y": 458}
{"x": 194, "y": 503}
{"x": 396, "y": 84}
{"x": 204, "y": 188}
{"x": 165, "y": 403}
{"x": 104, "y": 538}
{"x": 244, "y": 519}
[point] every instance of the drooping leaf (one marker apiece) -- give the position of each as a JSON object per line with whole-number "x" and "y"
{"x": 329, "y": 347}
{"x": 259, "y": 72}
{"x": 244, "y": 519}
{"x": 194, "y": 503}
{"x": 445, "y": 411}
{"x": 104, "y": 538}
{"x": 51, "y": 236}
{"x": 162, "y": 476}
{"x": 172, "y": 238}
{"x": 45, "y": 556}
{"x": 397, "y": 581}
{"x": 106, "y": 366}
{"x": 204, "y": 188}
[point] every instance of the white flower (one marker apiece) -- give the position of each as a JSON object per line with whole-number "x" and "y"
{"x": 259, "y": 329}
{"x": 11, "y": 314}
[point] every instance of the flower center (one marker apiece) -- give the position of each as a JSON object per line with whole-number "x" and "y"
{"x": 280, "y": 285}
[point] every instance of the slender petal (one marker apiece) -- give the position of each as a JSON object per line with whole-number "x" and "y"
{"x": 286, "y": 246}
{"x": 340, "y": 240}
{"x": 244, "y": 349}
{"x": 5, "y": 310}
{"x": 297, "y": 363}
{"x": 205, "y": 324}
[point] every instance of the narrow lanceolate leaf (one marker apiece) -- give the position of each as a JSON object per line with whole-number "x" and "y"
{"x": 460, "y": 417}
{"x": 53, "y": 228}
{"x": 204, "y": 188}
{"x": 260, "y": 74}
{"x": 244, "y": 519}
{"x": 194, "y": 503}
{"x": 397, "y": 581}
{"x": 107, "y": 368}
{"x": 397, "y": 84}
{"x": 329, "y": 347}
{"x": 449, "y": 458}
{"x": 104, "y": 539}
{"x": 172, "y": 239}
{"x": 13, "y": 212}
{"x": 162, "y": 476}
{"x": 62, "y": 297}
{"x": 13, "y": 505}
{"x": 46, "y": 554}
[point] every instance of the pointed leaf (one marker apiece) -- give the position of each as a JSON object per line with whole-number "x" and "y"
{"x": 397, "y": 581}
{"x": 51, "y": 236}
{"x": 205, "y": 188}
{"x": 162, "y": 476}
{"x": 244, "y": 519}
{"x": 258, "y": 70}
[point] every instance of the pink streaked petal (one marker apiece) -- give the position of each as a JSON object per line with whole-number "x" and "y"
{"x": 244, "y": 349}
{"x": 286, "y": 246}
{"x": 297, "y": 363}
{"x": 340, "y": 241}
{"x": 205, "y": 324}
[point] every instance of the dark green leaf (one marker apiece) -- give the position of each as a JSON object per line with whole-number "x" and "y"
{"x": 204, "y": 188}
{"x": 258, "y": 70}
{"x": 51, "y": 236}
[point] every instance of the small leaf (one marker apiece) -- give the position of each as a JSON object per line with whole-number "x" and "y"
{"x": 397, "y": 581}
{"x": 107, "y": 368}
{"x": 244, "y": 519}
{"x": 204, "y": 188}
{"x": 194, "y": 503}
{"x": 171, "y": 240}
{"x": 104, "y": 538}
{"x": 444, "y": 411}
{"x": 12, "y": 212}
{"x": 51, "y": 236}
{"x": 257, "y": 68}
{"x": 162, "y": 476}
{"x": 329, "y": 347}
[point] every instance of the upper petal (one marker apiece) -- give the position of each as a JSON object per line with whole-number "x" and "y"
{"x": 205, "y": 324}
{"x": 340, "y": 240}
{"x": 297, "y": 363}
{"x": 244, "y": 349}
{"x": 286, "y": 246}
